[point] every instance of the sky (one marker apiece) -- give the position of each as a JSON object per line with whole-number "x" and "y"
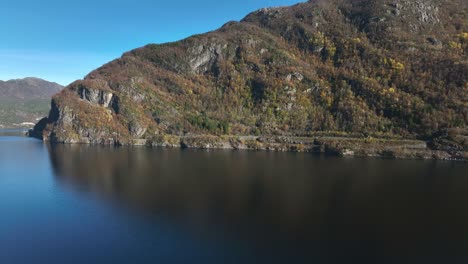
{"x": 62, "y": 41}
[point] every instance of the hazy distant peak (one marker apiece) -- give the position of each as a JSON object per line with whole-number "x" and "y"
{"x": 28, "y": 88}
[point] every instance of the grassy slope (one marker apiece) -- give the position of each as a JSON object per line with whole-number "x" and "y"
{"x": 15, "y": 111}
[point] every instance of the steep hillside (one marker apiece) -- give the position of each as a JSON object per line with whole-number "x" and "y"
{"x": 385, "y": 68}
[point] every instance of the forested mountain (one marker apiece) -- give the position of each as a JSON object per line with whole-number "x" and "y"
{"x": 28, "y": 88}
{"x": 390, "y": 68}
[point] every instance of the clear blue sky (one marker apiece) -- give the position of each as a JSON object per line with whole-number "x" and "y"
{"x": 62, "y": 40}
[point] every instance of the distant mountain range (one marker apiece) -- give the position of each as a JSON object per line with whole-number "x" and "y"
{"x": 379, "y": 68}
{"x": 24, "y": 101}
{"x": 28, "y": 89}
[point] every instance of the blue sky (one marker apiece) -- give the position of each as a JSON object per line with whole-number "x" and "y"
{"x": 62, "y": 41}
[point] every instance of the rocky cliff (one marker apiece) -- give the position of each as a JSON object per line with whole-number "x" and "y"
{"x": 380, "y": 68}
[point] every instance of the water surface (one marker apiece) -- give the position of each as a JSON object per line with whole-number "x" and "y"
{"x": 88, "y": 204}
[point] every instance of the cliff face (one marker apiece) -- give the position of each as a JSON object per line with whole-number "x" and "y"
{"x": 376, "y": 67}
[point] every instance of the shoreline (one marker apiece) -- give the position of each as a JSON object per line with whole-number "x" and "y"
{"x": 335, "y": 146}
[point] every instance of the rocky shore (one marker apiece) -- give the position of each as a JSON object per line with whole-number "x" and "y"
{"x": 335, "y": 146}
{"x": 362, "y": 147}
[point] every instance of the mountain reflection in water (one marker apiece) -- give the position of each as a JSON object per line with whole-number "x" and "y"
{"x": 304, "y": 206}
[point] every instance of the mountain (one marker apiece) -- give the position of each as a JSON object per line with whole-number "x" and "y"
{"x": 363, "y": 68}
{"x": 24, "y": 101}
{"x": 28, "y": 89}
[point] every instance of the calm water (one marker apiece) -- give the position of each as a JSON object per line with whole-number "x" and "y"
{"x": 82, "y": 204}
